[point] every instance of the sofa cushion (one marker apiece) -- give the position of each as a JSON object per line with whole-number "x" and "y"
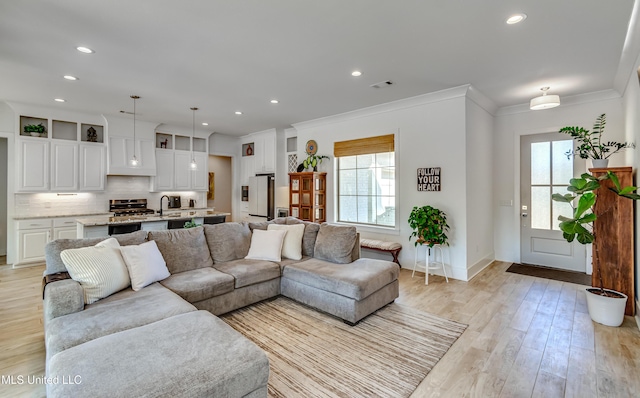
{"x": 292, "y": 246}
{"x": 249, "y": 272}
{"x": 356, "y": 280}
{"x": 183, "y": 249}
{"x": 335, "y": 243}
{"x": 99, "y": 269}
{"x": 53, "y": 249}
{"x": 265, "y": 224}
{"x": 121, "y": 311}
{"x": 228, "y": 241}
{"x": 310, "y": 234}
{"x": 145, "y": 264}
{"x": 199, "y": 284}
{"x": 266, "y": 245}
{"x": 187, "y": 355}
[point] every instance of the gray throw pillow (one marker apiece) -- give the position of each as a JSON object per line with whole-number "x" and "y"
{"x": 183, "y": 249}
{"x": 335, "y": 243}
{"x": 228, "y": 241}
{"x": 310, "y": 234}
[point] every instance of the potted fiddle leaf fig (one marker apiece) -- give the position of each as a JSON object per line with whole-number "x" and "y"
{"x": 312, "y": 161}
{"x": 429, "y": 226}
{"x": 605, "y": 306}
{"x": 591, "y": 145}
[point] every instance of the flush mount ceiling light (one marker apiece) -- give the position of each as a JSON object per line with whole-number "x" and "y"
{"x": 205, "y": 123}
{"x": 544, "y": 101}
{"x": 356, "y": 73}
{"x": 69, "y": 77}
{"x": 274, "y": 101}
{"x": 59, "y": 100}
{"x": 134, "y": 160}
{"x": 238, "y": 113}
{"x": 514, "y": 19}
{"x": 193, "y": 166}
{"x": 85, "y": 50}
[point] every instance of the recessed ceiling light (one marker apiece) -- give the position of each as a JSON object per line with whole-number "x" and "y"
{"x": 205, "y": 123}
{"x": 356, "y": 73}
{"x": 238, "y": 113}
{"x": 59, "y": 100}
{"x": 69, "y": 77}
{"x": 274, "y": 101}
{"x": 85, "y": 50}
{"x": 516, "y": 18}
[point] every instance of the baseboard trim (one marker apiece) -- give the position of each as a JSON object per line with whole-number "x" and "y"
{"x": 476, "y": 268}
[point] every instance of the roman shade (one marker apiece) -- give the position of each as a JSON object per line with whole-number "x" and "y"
{"x": 364, "y": 146}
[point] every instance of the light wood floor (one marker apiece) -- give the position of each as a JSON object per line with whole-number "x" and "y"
{"x": 527, "y": 337}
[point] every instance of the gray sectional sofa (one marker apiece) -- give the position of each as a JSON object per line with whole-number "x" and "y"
{"x": 165, "y": 339}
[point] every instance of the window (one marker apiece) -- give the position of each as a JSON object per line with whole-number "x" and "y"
{"x": 366, "y": 181}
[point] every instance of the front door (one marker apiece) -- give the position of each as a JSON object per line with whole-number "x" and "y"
{"x": 545, "y": 169}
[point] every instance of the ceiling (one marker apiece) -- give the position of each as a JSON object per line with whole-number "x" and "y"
{"x": 227, "y": 56}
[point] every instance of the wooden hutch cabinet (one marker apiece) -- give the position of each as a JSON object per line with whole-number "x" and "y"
{"x": 307, "y": 196}
{"x": 613, "y": 246}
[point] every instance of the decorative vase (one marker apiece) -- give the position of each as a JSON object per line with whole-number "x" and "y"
{"x": 605, "y": 310}
{"x": 600, "y": 163}
{"x": 34, "y": 134}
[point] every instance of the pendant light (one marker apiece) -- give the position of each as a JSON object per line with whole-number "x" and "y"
{"x": 134, "y": 160}
{"x": 544, "y": 101}
{"x": 193, "y": 166}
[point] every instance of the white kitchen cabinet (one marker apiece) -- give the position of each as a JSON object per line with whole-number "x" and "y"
{"x": 200, "y": 177}
{"x": 34, "y": 166}
{"x": 163, "y": 181}
{"x": 92, "y": 167}
{"x": 181, "y": 170}
{"x": 64, "y": 228}
{"x": 33, "y": 235}
{"x": 121, "y": 151}
{"x": 265, "y": 152}
{"x": 154, "y": 226}
{"x": 64, "y": 166}
{"x": 248, "y": 168}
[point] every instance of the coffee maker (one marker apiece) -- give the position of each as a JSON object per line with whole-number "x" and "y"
{"x": 174, "y": 202}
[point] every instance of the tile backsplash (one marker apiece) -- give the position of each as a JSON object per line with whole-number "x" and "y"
{"x": 117, "y": 187}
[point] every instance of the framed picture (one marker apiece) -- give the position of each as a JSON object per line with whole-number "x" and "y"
{"x": 211, "y": 193}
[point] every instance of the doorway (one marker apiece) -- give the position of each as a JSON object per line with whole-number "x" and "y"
{"x": 4, "y": 164}
{"x": 221, "y": 172}
{"x": 546, "y": 169}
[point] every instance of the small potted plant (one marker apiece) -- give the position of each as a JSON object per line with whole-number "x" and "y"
{"x": 36, "y": 130}
{"x": 605, "y": 306}
{"x": 429, "y": 226}
{"x": 312, "y": 161}
{"x": 590, "y": 143}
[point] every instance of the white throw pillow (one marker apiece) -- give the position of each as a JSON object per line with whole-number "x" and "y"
{"x": 292, "y": 247}
{"x": 145, "y": 263}
{"x": 266, "y": 245}
{"x": 99, "y": 269}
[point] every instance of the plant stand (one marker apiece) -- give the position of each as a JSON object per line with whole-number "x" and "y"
{"x": 430, "y": 265}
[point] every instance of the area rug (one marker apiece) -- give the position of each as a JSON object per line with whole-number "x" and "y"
{"x": 313, "y": 354}
{"x": 551, "y": 273}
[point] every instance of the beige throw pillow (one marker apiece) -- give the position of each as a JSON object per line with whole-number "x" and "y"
{"x": 266, "y": 245}
{"x": 292, "y": 246}
{"x": 99, "y": 269}
{"x": 145, "y": 264}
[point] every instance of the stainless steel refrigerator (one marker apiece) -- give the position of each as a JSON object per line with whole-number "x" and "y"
{"x": 261, "y": 196}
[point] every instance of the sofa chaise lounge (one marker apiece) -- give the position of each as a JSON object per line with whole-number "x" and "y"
{"x": 165, "y": 339}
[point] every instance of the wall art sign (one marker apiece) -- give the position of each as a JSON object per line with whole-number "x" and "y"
{"x": 429, "y": 179}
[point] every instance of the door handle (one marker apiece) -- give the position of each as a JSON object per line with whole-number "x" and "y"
{"x": 525, "y": 215}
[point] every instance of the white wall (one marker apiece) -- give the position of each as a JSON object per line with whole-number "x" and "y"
{"x": 430, "y": 132}
{"x": 513, "y": 122}
{"x": 479, "y": 181}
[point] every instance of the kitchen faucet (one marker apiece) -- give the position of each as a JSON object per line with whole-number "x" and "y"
{"x": 162, "y": 197}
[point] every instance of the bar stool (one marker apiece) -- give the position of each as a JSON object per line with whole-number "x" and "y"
{"x": 430, "y": 265}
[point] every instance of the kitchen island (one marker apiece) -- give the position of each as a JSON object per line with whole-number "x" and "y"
{"x": 99, "y": 226}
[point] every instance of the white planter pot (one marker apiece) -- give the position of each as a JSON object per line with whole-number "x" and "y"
{"x": 608, "y": 311}
{"x": 600, "y": 163}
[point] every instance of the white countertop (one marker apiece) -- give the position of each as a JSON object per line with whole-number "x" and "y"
{"x": 35, "y": 216}
{"x": 170, "y": 214}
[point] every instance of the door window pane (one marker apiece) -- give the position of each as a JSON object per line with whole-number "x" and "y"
{"x": 540, "y": 163}
{"x": 540, "y": 207}
{"x": 562, "y": 165}
{"x": 560, "y": 208}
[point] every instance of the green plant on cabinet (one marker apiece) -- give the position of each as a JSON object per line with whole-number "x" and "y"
{"x": 312, "y": 161}
{"x": 590, "y": 143}
{"x": 34, "y": 128}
